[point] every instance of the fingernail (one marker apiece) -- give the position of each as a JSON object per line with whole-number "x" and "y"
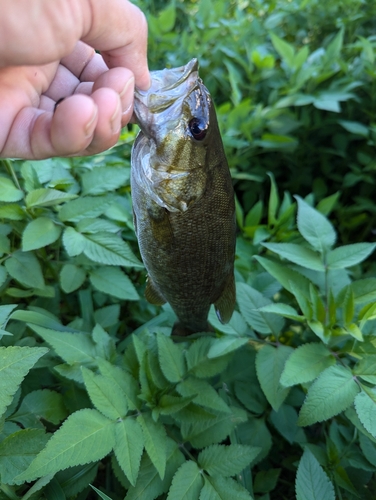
{"x": 126, "y": 95}
{"x": 115, "y": 120}
{"x": 90, "y": 126}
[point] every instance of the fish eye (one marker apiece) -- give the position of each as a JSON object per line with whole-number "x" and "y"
{"x": 197, "y": 128}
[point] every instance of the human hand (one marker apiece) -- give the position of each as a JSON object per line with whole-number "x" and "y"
{"x": 50, "y": 55}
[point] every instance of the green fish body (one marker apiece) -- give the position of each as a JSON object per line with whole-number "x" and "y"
{"x": 183, "y": 200}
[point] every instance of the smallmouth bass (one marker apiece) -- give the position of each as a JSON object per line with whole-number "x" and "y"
{"x": 183, "y": 200}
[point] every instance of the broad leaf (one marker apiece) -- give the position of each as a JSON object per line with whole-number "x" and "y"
{"x": 198, "y": 362}
{"x": 155, "y": 442}
{"x": 42, "y": 403}
{"x": 315, "y": 227}
{"x": 224, "y": 461}
{"x": 298, "y": 254}
{"x": 39, "y": 233}
{"x": 84, "y": 207}
{"x": 333, "y": 391}
{"x": 113, "y": 281}
{"x": 25, "y": 268}
{"x": 86, "y": 436}
{"x": 311, "y": 481}
{"x": 223, "y": 488}
{"x": 349, "y": 255}
{"x": 306, "y": 363}
{"x": 71, "y": 278}
{"x": 8, "y": 191}
{"x": 44, "y": 197}
{"x": 109, "y": 249}
{"x": 365, "y": 406}
{"x": 128, "y": 448}
{"x": 205, "y": 394}
{"x": 171, "y": 358}
{"x": 15, "y": 363}
{"x": 270, "y": 362}
{"x": 101, "y": 180}
{"x": 187, "y": 482}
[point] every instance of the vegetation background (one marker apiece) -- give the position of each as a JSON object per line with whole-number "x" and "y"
{"x": 96, "y": 400}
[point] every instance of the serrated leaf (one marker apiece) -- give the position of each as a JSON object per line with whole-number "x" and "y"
{"x": 315, "y": 227}
{"x": 250, "y": 300}
{"x": 104, "y": 395}
{"x": 8, "y": 191}
{"x": 113, "y": 281}
{"x": 72, "y": 347}
{"x": 366, "y": 368}
{"x": 306, "y": 363}
{"x": 73, "y": 241}
{"x": 331, "y": 393}
{"x": 85, "y": 207}
{"x": 18, "y": 450}
{"x": 102, "y": 495}
{"x": 86, "y": 436}
{"x": 25, "y": 268}
{"x": 283, "y": 310}
{"x": 365, "y": 407}
{"x": 39, "y": 233}
{"x": 187, "y": 482}
{"x": 349, "y": 255}
{"x": 285, "y": 420}
{"x": 124, "y": 380}
{"x": 210, "y": 431}
{"x": 128, "y": 448}
{"x": 71, "y": 278}
{"x": 311, "y": 481}
{"x": 225, "y": 345}
{"x": 101, "y": 180}
{"x": 38, "y": 404}
{"x": 364, "y": 290}
{"x": 44, "y": 197}
{"x": 76, "y": 479}
{"x": 109, "y": 249}
{"x": 298, "y": 254}
{"x": 15, "y": 363}
{"x": 205, "y": 394}
{"x": 171, "y": 358}
{"x": 155, "y": 442}
{"x": 225, "y": 461}
{"x": 223, "y": 488}
{"x": 270, "y": 362}
{"x": 198, "y": 362}
{"x": 5, "y": 312}
{"x": 149, "y": 485}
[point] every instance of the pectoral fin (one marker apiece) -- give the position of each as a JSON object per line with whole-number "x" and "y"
{"x": 224, "y": 306}
{"x": 152, "y": 295}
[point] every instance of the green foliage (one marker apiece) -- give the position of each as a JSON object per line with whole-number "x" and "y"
{"x": 96, "y": 398}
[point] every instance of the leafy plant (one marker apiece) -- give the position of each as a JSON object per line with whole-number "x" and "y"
{"x": 96, "y": 399}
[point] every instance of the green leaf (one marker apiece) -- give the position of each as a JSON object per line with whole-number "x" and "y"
{"x": 198, "y": 362}
{"x": 187, "y": 482}
{"x": 284, "y": 49}
{"x": 86, "y": 436}
{"x": 72, "y": 347}
{"x": 15, "y": 363}
{"x": 44, "y": 197}
{"x": 250, "y": 300}
{"x": 354, "y": 127}
{"x": 306, "y": 363}
{"x": 74, "y": 242}
{"x": 101, "y": 180}
{"x": 364, "y": 290}
{"x": 105, "y": 396}
{"x": 17, "y": 452}
{"x": 205, "y": 394}
{"x": 171, "y": 358}
{"x": 366, "y": 369}
{"x": 5, "y": 312}
{"x": 85, "y": 207}
{"x": 273, "y": 201}
{"x": 298, "y": 254}
{"x": 71, "y": 277}
{"x": 166, "y": 18}
{"x": 155, "y": 441}
{"x": 8, "y": 191}
{"x": 109, "y": 249}
{"x": 365, "y": 407}
{"x": 349, "y": 255}
{"x": 311, "y": 481}
{"x": 315, "y": 227}
{"x": 285, "y": 420}
{"x": 38, "y": 404}
{"x": 283, "y": 310}
{"x": 149, "y": 485}
{"x": 202, "y": 433}
{"x": 225, "y": 345}
{"x": 266, "y": 480}
{"x": 270, "y": 362}
{"x": 25, "y": 268}
{"x": 100, "y": 493}
{"x": 129, "y": 444}
{"x": 123, "y": 380}
{"x": 113, "y": 281}
{"x": 223, "y": 488}
{"x": 224, "y": 461}
{"x": 39, "y": 233}
{"x": 331, "y": 393}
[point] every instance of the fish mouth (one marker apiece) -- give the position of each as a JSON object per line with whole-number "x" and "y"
{"x": 167, "y": 87}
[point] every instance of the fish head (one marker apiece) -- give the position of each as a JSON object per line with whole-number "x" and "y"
{"x": 175, "y": 116}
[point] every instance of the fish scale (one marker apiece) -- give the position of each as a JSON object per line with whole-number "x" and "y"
{"x": 183, "y": 200}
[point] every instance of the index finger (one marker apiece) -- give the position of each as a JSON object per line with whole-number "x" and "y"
{"x": 118, "y": 29}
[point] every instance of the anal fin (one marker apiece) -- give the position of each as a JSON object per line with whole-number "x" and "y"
{"x": 225, "y": 304}
{"x": 152, "y": 295}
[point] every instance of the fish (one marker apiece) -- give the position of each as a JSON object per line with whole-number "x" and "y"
{"x": 183, "y": 200}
